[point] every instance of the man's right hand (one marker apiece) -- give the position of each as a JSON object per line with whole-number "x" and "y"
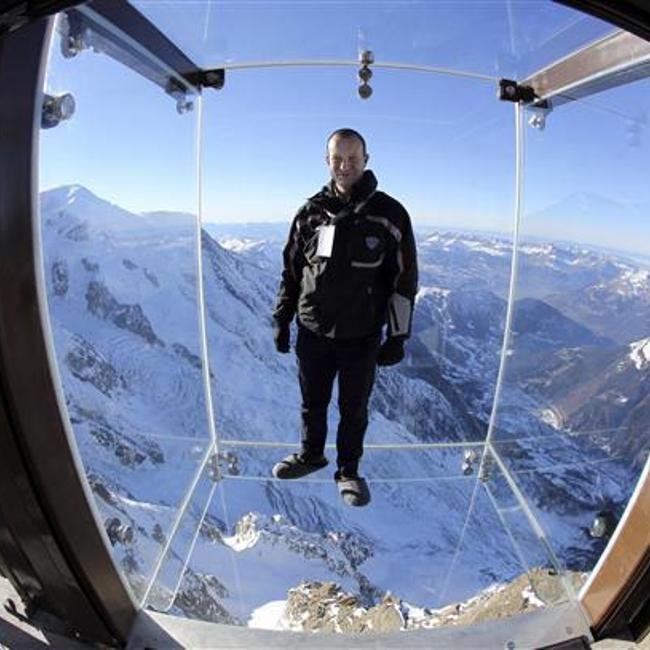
{"x": 391, "y": 352}
{"x": 281, "y": 337}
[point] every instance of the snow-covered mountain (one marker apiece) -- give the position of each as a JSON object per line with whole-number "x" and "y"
{"x": 124, "y": 309}
{"x": 457, "y": 260}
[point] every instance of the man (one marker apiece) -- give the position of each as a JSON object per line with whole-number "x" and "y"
{"x": 349, "y": 269}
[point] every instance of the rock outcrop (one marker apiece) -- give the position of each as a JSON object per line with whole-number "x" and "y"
{"x": 102, "y": 304}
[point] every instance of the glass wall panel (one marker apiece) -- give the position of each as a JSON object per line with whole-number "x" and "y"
{"x": 118, "y": 201}
{"x": 431, "y": 535}
{"x": 441, "y": 145}
{"x": 500, "y": 38}
{"x": 572, "y": 422}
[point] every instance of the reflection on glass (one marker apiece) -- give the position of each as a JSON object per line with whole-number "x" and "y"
{"x": 571, "y": 423}
{"x": 122, "y": 296}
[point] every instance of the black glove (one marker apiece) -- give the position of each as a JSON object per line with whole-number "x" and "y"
{"x": 391, "y": 352}
{"x": 281, "y": 337}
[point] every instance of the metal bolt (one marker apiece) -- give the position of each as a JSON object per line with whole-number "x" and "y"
{"x": 470, "y": 455}
{"x": 365, "y": 91}
{"x": 214, "y": 470}
{"x": 366, "y": 57}
{"x": 537, "y": 121}
{"x": 365, "y": 74}
{"x": 118, "y": 532}
{"x": 72, "y": 36}
{"x": 56, "y": 109}
{"x": 183, "y": 105}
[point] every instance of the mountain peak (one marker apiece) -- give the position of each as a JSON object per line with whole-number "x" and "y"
{"x": 68, "y": 193}
{"x": 65, "y": 197}
{"x": 77, "y": 190}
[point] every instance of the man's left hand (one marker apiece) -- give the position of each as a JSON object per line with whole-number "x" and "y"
{"x": 391, "y": 352}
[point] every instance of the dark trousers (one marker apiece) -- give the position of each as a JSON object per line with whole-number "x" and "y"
{"x": 319, "y": 360}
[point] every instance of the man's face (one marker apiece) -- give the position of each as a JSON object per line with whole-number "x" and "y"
{"x": 346, "y": 161}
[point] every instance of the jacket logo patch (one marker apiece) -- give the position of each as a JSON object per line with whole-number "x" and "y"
{"x": 372, "y": 242}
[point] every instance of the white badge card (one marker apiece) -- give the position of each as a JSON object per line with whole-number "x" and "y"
{"x": 325, "y": 241}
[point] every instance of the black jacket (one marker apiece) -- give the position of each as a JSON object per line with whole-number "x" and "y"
{"x": 369, "y": 280}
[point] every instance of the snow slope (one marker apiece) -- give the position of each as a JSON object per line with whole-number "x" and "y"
{"x": 123, "y": 303}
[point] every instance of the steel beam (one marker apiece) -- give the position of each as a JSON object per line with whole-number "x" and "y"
{"x": 617, "y": 59}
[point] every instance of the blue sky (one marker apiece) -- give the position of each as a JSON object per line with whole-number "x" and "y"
{"x": 441, "y": 144}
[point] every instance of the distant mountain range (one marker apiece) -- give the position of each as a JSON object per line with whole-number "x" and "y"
{"x": 123, "y": 299}
{"x": 589, "y": 218}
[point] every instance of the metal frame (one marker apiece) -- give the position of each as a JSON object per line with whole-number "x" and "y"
{"x": 121, "y": 31}
{"x": 51, "y": 546}
{"x": 537, "y": 629}
{"x": 54, "y": 552}
{"x": 116, "y": 28}
{"x": 617, "y": 59}
{"x": 630, "y": 15}
{"x": 618, "y": 589}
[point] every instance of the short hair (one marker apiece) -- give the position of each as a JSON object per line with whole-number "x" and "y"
{"x": 347, "y": 133}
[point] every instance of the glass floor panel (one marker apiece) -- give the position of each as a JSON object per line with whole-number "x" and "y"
{"x": 432, "y": 542}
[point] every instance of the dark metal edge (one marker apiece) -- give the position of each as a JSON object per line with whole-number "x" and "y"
{"x": 631, "y": 610}
{"x": 126, "y": 18}
{"x": 631, "y": 15}
{"x": 60, "y": 560}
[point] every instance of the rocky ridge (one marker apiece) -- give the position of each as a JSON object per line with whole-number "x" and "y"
{"x": 325, "y": 607}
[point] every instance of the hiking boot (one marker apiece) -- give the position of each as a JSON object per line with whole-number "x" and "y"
{"x": 297, "y": 466}
{"x": 353, "y": 490}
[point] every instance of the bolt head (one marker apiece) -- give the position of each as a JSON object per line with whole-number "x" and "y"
{"x": 66, "y": 106}
{"x": 212, "y": 78}
{"x": 366, "y": 57}
{"x": 365, "y": 91}
{"x": 365, "y": 73}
